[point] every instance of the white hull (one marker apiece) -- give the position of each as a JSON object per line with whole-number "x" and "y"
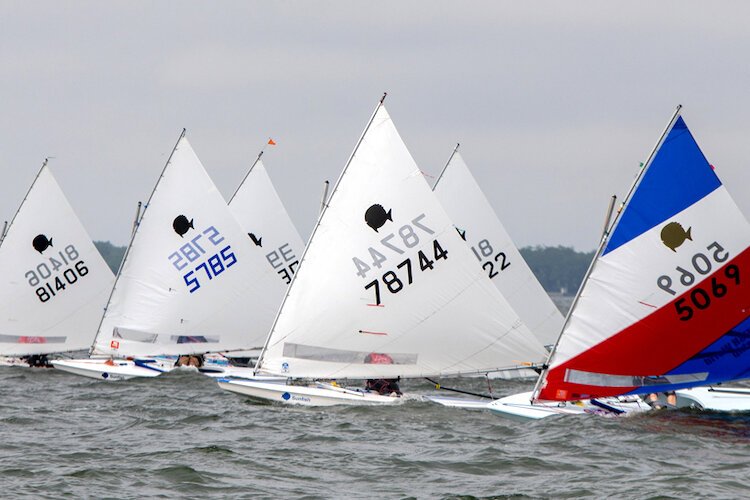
{"x": 223, "y": 371}
{"x": 453, "y": 402}
{"x": 715, "y": 398}
{"x": 519, "y": 407}
{"x": 108, "y": 369}
{"x": 317, "y": 394}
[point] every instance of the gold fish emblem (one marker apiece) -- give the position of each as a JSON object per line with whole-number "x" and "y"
{"x": 673, "y": 235}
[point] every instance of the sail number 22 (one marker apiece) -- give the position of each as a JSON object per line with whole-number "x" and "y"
{"x": 483, "y": 250}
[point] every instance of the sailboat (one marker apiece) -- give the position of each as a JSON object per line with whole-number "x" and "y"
{"x": 55, "y": 283}
{"x": 386, "y": 288}
{"x": 188, "y": 283}
{"x": 665, "y": 304}
{"x": 259, "y": 210}
{"x": 481, "y": 229}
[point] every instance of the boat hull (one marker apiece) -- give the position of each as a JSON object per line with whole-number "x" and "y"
{"x": 465, "y": 403}
{"x": 317, "y": 394}
{"x": 112, "y": 370}
{"x": 715, "y": 398}
{"x": 225, "y": 371}
{"x": 519, "y": 407}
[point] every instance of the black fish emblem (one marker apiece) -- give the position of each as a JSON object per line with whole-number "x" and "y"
{"x": 41, "y": 243}
{"x": 182, "y": 225}
{"x": 258, "y": 241}
{"x": 462, "y": 234}
{"x": 673, "y": 235}
{"x": 375, "y": 216}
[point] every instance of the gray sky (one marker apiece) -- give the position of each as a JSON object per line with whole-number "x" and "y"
{"x": 554, "y": 103}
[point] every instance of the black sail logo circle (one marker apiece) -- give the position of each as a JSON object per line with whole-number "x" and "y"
{"x": 376, "y": 216}
{"x": 182, "y": 225}
{"x": 41, "y": 243}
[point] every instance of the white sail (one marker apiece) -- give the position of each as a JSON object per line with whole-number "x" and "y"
{"x": 494, "y": 250}
{"x": 259, "y": 210}
{"x": 257, "y": 207}
{"x": 386, "y": 286}
{"x": 189, "y": 280}
{"x": 54, "y": 281}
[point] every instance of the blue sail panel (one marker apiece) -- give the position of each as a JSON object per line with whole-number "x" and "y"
{"x": 728, "y": 358}
{"x": 678, "y": 177}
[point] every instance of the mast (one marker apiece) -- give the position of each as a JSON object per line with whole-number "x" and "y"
{"x": 325, "y": 196}
{"x": 132, "y": 237}
{"x": 315, "y": 230}
{"x": 455, "y": 150}
{"x": 5, "y": 230}
{"x": 603, "y": 243}
{"x": 247, "y": 175}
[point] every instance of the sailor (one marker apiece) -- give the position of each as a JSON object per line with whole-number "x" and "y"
{"x": 38, "y": 361}
{"x": 653, "y": 400}
{"x": 193, "y": 360}
{"x": 383, "y": 386}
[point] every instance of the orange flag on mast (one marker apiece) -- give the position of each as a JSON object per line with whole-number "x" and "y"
{"x": 271, "y": 142}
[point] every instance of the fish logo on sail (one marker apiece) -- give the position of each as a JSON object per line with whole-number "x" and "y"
{"x": 41, "y": 243}
{"x": 258, "y": 241}
{"x": 461, "y": 233}
{"x": 673, "y": 235}
{"x": 376, "y": 216}
{"x": 182, "y": 225}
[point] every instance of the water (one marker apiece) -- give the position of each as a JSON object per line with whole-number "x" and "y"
{"x": 180, "y": 436}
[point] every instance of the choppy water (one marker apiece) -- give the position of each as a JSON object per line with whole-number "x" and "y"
{"x": 180, "y": 436}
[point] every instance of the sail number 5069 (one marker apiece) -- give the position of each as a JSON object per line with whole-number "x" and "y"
{"x": 701, "y": 265}
{"x": 701, "y": 298}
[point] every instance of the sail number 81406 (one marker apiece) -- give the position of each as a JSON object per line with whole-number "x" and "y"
{"x": 63, "y": 276}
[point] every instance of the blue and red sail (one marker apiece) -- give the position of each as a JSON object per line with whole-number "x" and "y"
{"x": 667, "y": 304}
